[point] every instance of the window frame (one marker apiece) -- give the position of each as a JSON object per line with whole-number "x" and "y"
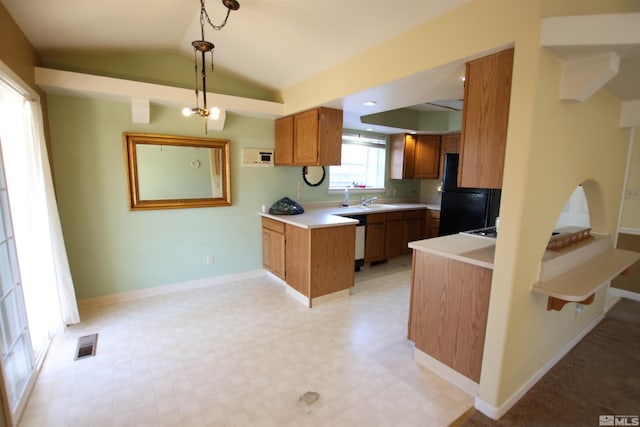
{"x": 380, "y": 142}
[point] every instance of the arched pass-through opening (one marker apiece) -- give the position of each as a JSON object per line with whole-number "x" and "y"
{"x": 577, "y": 263}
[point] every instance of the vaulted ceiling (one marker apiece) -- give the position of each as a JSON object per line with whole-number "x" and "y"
{"x": 274, "y": 43}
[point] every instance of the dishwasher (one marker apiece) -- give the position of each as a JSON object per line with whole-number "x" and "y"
{"x": 360, "y": 239}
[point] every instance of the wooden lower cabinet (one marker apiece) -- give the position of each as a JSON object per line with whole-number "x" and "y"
{"x": 448, "y": 311}
{"x": 394, "y": 235}
{"x": 317, "y": 261}
{"x": 388, "y": 234}
{"x": 413, "y": 224}
{"x": 374, "y": 239}
{"x": 273, "y": 246}
{"x": 432, "y": 223}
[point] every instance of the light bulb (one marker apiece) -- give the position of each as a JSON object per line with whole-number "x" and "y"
{"x": 214, "y": 114}
{"x": 186, "y": 111}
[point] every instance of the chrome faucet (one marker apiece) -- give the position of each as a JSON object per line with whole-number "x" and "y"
{"x": 368, "y": 202}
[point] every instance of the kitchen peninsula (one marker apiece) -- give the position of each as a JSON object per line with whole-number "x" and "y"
{"x": 451, "y": 287}
{"x": 314, "y": 253}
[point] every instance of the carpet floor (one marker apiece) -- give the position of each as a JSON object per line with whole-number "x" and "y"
{"x": 599, "y": 376}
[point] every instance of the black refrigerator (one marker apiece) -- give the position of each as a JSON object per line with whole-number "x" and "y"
{"x": 464, "y": 209}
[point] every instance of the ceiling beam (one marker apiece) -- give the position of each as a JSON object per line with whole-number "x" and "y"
{"x": 92, "y": 86}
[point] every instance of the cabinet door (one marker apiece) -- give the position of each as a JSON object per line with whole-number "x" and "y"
{"x": 305, "y": 131}
{"x": 374, "y": 242}
{"x": 329, "y": 136}
{"x": 485, "y": 117}
{"x": 402, "y": 154}
{"x": 394, "y": 235}
{"x": 273, "y": 252}
{"x": 427, "y": 157}
{"x": 284, "y": 141}
{"x": 412, "y": 228}
{"x": 449, "y": 143}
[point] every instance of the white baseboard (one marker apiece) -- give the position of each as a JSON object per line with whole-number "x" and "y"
{"x": 345, "y": 293}
{"x": 86, "y": 303}
{"x": 311, "y": 302}
{"x": 467, "y": 385}
{"x": 497, "y": 412}
{"x": 621, "y": 293}
{"x": 629, "y": 230}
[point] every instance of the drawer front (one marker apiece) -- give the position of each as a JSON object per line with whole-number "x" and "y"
{"x": 273, "y": 225}
{"x": 417, "y": 214}
{"x": 394, "y": 216}
{"x": 434, "y": 213}
{"x": 375, "y": 218}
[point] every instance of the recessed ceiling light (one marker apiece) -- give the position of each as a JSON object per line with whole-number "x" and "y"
{"x": 369, "y": 103}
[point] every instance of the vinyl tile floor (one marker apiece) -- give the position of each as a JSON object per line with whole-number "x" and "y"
{"x": 244, "y": 353}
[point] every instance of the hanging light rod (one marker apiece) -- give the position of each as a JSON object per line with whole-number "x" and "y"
{"x": 203, "y": 47}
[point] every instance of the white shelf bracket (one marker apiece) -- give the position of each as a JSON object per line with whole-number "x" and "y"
{"x": 140, "y": 111}
{"x": 583, "y": 77}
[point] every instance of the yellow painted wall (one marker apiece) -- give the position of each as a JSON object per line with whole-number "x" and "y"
{"x": 631, "y": 208}
{"x": 551, "y": 147}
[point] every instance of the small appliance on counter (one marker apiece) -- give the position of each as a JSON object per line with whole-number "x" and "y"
{"x": 464, "y": 209}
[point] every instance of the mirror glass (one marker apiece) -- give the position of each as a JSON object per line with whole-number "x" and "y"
{"x": 313, "y": 175}
{"x": 166, "y": 172}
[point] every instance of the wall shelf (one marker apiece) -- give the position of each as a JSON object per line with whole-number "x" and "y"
{"x": 579, "y": 283}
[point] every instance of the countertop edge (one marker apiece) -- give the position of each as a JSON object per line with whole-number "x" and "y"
{"x": 338, "y": 216}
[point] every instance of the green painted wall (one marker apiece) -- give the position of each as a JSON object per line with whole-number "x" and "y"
{"x": 112, "y": 249}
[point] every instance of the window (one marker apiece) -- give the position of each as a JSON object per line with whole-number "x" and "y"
{"x": 363, "y": 164}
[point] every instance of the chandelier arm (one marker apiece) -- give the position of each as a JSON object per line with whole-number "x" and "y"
{"x": 215, "y": 27}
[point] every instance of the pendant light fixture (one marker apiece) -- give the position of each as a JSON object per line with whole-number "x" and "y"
{"x": 200, "y": 49}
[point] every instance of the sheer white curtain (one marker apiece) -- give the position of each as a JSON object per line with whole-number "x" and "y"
{"x": 48, "y": 288}
{"x": 62, "y": 274}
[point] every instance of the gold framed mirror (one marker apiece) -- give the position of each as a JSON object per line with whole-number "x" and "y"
{"x": 173, "y": 172}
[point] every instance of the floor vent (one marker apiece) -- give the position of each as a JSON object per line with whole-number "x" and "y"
{"x": 86, "y": 346}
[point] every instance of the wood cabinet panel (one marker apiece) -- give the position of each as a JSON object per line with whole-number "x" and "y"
{"x": 312, "y": 137}
{"x": 450, "y": 143}
{"x": 413, "y": 224}
{"x": 374, "y": 242}
{"x": 305, "y": 137}
{"x": 297, "y": 256}
{"x": 433, "y": 223}
{"x": 273, "y": 247}
{"x": 485, "y": 117}
{"x": 414, "y": 156}
{"x": 402, "y": 154}
{"x": 394, "y": 237}
{"x": 283, "y": 154}
{"x": 332, "y": 259}
{"x": 427, "y": 157}
{"x": 448, "y": 312}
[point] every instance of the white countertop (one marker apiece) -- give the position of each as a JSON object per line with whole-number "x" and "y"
{"x": 474, "y": 250}
{"x": 334, "y": 216}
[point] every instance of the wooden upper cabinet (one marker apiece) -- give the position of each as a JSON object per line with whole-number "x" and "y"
{"x": 450, "y": 143}
{"x": 313, "y": 137}
{"x": 485, "y": 117}
{"x": 415, "y": 156}
{"x": 284, "y": 141}
{"x": 427, "y": 157}
{"x": 402, "y": 152}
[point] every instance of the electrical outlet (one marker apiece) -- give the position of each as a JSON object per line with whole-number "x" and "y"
{"x": 209, "y": 259}
{"x": 633, "y": 193}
